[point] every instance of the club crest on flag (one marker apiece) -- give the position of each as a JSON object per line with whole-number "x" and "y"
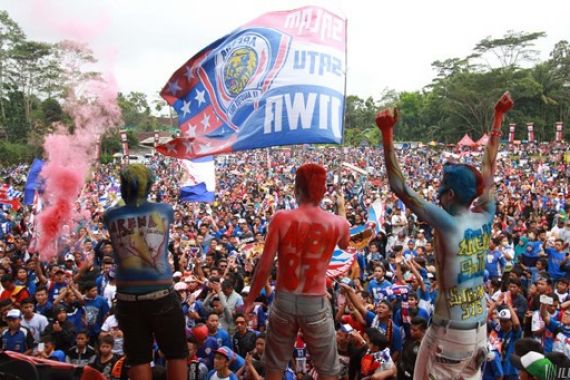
{"x": 242, "y": 66}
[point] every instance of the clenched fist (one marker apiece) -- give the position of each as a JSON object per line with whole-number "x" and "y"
{"x": 386, "y": 119}
{"x": 504, "y": 104}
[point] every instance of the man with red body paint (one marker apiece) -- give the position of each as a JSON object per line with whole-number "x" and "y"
{"x": 304, "y": 240}
{"x": 455, "y": 345}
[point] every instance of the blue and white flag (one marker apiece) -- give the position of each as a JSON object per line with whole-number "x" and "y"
{"x": 278, "y": 80}
{"x": 199, "y": 180}
{"x": 376, "y": 216}
{"x": 33, "y": 181}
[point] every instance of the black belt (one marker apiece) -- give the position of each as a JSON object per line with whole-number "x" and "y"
{"x": 144, "y": 297}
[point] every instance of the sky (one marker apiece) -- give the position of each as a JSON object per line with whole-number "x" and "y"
{"x": 391, "y": 44}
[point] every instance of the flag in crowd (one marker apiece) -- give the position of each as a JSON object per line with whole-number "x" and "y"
{"x": 278, "y": 80}
{"x": 199, "y": 180}
{"x": 33, "y": 182}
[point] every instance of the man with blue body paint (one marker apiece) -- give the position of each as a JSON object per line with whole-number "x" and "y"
{"x": 455, "y": 344}
{"x": 147, "y": 306}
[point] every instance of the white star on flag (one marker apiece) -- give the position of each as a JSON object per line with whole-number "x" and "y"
{"x": 200, "y": 97}
{"x": 191, "y": 132}
{"x": 189, "y": 74}
{"x": 185, "y": 108}
{"x": 206, "y": 121}
{"x": 188, "y": 146}
{"x": 171, "y": 147}
{"x": 173, "y": 87}
{"x": 205, "y": 146}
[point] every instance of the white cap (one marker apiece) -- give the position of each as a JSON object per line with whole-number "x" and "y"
{"x": 14, "y": 313}
{"x": 505, "y": 314}
{"x": 180, "y": 286}
{"x": 177, "y": 274}
{"x": 69, "y": 256}
{"x": 246, "y": 289}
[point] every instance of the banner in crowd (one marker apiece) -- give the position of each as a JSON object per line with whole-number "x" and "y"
{"x": 33, "y": 181}
{"x": 278, "y": 80}
{"x": 341, "y": 262}
{"x": 199, "y": 180}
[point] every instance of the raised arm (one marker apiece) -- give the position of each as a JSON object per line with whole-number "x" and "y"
{"x": 486, "y": 200}
{"x": 263, "y": 268}
{"x": 435, "y": 216}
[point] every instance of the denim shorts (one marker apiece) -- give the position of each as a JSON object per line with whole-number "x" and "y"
{"x": 313, "y": 316}
{"x": 144, "y": 321}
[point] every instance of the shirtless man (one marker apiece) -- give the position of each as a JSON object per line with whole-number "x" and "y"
{"x": 304, "y": 240}
{"x": 455, "y": 344}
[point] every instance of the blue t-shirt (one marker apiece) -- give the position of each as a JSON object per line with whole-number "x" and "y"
{"x": 206, "y": 351}
{"x": 222, "y": 338}
{"x": 396, "y": 343}
{"x": 95, "y": 310}
{"x": 555, "y": 258}
{"x": 495, "y": 262}
{"x": 58, "y": 355}
{"x": 493, "y": 368}
{"x": 375, "y": 289}
{"x": 508, "y": 341}
{"x": 140, "y": 241}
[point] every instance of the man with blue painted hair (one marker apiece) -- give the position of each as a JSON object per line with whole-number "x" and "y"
{"x": 455, "y": 344}
{"x": 147, "y": 305}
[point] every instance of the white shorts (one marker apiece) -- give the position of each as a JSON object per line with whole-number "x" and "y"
{"x": 451, "y": 354}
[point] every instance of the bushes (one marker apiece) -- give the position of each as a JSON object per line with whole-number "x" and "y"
{"x": 12, "y": 153}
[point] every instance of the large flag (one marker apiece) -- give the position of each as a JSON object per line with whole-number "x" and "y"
{"x": 199, "y": 180}
{"x": 278, "y": 80}
{"x": 32, "y": 183}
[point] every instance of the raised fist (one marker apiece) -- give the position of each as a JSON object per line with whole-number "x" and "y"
{"x": 505, "y": 103}
{"x": 386, "y": 119}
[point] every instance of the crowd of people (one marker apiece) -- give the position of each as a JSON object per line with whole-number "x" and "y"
{"x": 63, "y": 308}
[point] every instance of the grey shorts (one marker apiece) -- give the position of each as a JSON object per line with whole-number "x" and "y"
{"x": 313, "y": 315}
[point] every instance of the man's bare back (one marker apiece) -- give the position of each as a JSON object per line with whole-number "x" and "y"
{"x": 307, "y": 238}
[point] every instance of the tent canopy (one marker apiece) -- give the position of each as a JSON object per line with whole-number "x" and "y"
{"x": 483, "y": 140}
{"x": 466, "y": 141}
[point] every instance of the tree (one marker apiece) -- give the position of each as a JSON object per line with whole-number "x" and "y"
{"x": 511, "y": 50}
{"x": 10, "y": 35}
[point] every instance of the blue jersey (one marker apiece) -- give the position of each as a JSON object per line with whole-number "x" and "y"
{"x": 140, "y": 240}
{"x": 495, "y": 262}
{"x": 555, "y": 259}
{"x": 18, "y": 341}
{"x": 375, "y": 289}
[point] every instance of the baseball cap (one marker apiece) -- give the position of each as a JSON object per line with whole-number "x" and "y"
{"x": 59, "y": 269}
{"x": 180, "y": 286}
{"x": 14, "y": 313}
{"x": 505, "y": 314}
{"x": 69, "y": 257}
{"x": 177, "y": 274}
{"x": 535, "y": 364}
{"x": 242, "y": 221}
{"x": 227, "y": 352}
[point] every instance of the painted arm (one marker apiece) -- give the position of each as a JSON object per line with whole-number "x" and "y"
{"x": 263, "y": 269}
{"x": 486, "y": 201}
{"x": 433, "y": 215}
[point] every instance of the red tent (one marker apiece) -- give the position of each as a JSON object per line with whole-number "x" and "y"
{"x": 483, "y": 140}
{"x": 466, "y": 141}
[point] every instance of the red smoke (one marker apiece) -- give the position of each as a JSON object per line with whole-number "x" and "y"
{"x": 93, "y": 107}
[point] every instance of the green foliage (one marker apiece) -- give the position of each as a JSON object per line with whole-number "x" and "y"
{"x": 16, "y": 153}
